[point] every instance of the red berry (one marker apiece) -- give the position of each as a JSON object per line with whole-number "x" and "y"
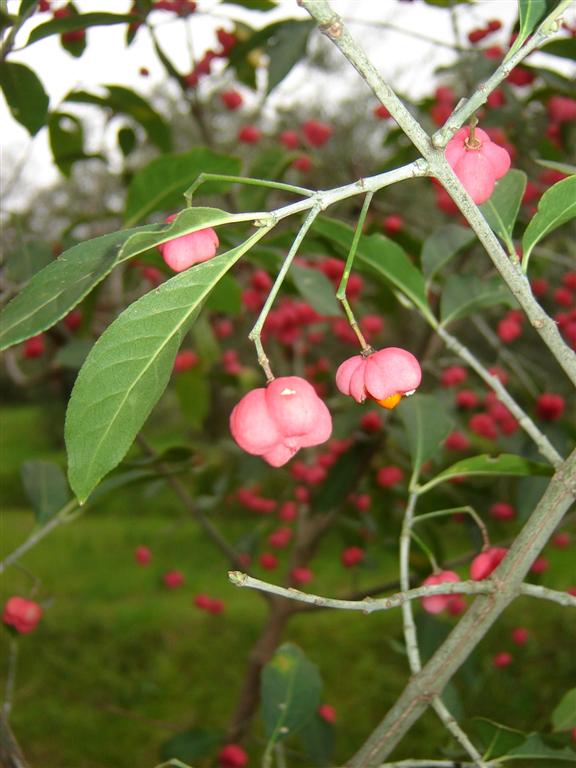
{"x": 467, "y": 399}
{"x": 453, "y": 376}
{"x": 302, "y": 163}
{"x": 561, "y": 540}
{"x": 371, "y": 422}
{"x": 289, "y": 139}
{"x": 268, "y": 561}
{"x": 483, "y": 424}
{"x": 34, "y": 347}
{"x": 540, "y": 565}
{"x": 316, "y": 132}
{"x": 393, "y": 224}
{"x": 457, "y": 441}
{"x": 502, "y": 511}
{"x": 143, "y": 555}
{"x": 502, "y": 659}
{"x": 185, "y": 361}
{"x": 352, "y": 556}
{"x": 232, "y": 100}
{"x": 549, "y": 406}
{"x": 520, "y": 635}
{"x": 539, "y": 286}
{"x": 173, "y": 579}
{"x": 301, "y": 575}
{"x": 327, "y": 712}
{"x": 387, "y": 477}
{"x": 232, "y": 756}
{"x": 249, "y": 134}
{"x": 381, "y": 112}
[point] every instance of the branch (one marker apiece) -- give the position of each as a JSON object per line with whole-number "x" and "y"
{"x": 368, "y": 604}
{"x": 9, "y": 40}
{"x": 543, "y": 593}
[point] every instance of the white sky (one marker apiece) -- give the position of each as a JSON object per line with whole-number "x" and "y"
{"x": 407, "y": 62}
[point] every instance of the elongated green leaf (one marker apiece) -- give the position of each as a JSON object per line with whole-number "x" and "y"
{"x": 463, "y": 295}
{"x": 28, "y": 259}
{"x": 441, "y": 246}
{"x": 46, "y": 487}
{"x": 161, "y": 184}
{"x": 484, "y": 464}
{"x": 124, "y": 101}
{"x": 290, "y": 692}
{"x": 77, "y": 21}
{"x": 565, "y": 48}
{"x": 529, "y": 14}
{"x": 427, "y": 424}
{"x": 253, "y": 5}
{"x": 57, "y": 288}
{"x": 564, "y": 715}
{"x": 557, "y": 206}
{"x": 128, "y": 369}
{"x": 316, "y": 289}
{"x": 501, "y": 210}
{"x": 286, "y": 48}
{"x": 565, "y": 168}
{"x": 496, "y": 738}
{"x": 379, "y": 255}
{"x": 535, "y": 748}
{"x": 25, "y": 95}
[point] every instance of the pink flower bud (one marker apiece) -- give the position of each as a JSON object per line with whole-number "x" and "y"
{"x": 385, "y": 376}
{"x": 277, "y": 421}
{"x": 478, "y": 163}
{"x": 185, "y": 251}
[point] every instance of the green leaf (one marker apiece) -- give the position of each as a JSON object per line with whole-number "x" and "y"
{"x": 564, "y": 714}
{"x": 25, "y": 95}
{"x": 427, "y": 424}
{"x": 290, "y": 692}
{"x": 191, "y": 745}
{"x": 76, "y": 21}
{"x": 194, "y": 396}
{"x": 565, "y": 48}
{"x": 497, "y": 739}
{"x": 23, "y": 263}
{"x": 569, "y": 170}
{"x": 463, "y": 295}
{"x": 317, "y": 737}
{"x": 161, "y": 184}
{"x": 127, "y": 140}
{"x": 554, "y": 80}
{"x": 556, "y": 207}
{"x": 442, "y": 245}
{"x": 226, "y": 297}
{"x": 286, "y": 47}
{"x": 59, "y": 287}
{"x": 534, "y": 748}
{"x": 73, "y": 354}
{"x": 316, "y": 289}
{"x": 128, "y": 369}
{"x": 46, "y": 487}
{"x": 501, "y": 210}
{"x": 381, "y": 256}
{"x": 484, "y": 464}
{"x": 530, "y": 12}
{"x": 66, "y": 135}
{"x": 124, "y": 101}
{"x": 253, "y": 5}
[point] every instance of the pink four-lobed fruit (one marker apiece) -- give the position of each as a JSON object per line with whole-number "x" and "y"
{"x": 352, "y": 556}
{"x": 438, "y": 603}
{"x": 386, "y": 376}
{"x": 143, "y": 555}
{"x": 276, "y": 421}
{"x": 478, "y": 162}
{"x": 21, "y": 614}
{"x": 173, "y": 579}
{"x": 185, "y": 251}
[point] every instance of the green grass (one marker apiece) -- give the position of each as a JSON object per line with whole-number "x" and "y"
{"x": 119, "y": 664}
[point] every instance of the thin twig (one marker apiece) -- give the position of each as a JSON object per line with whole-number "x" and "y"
{"x": 10, "y": 678}
{"x": 368, "y": 604}
{"x": 9, "y": 40}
